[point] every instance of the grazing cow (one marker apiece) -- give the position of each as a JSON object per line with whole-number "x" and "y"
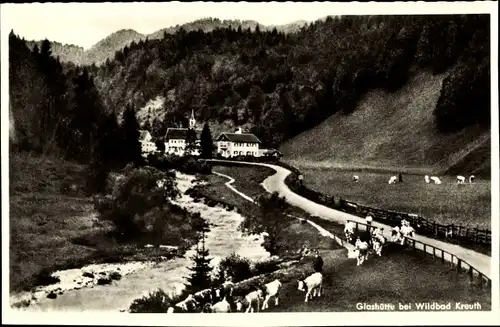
{"x": 250, "y": 301}
{"x": 471, "y": 179}
{"x": 436, "y": 180}
{"x": 355, "y": 178}
{"x": 226, "y": 289}
{"x": 271, "y": 289}
{"x": 406, "y": 231}
{"x": 221, "y": 307}
{"x": 393, "y": 180}
{"x": 349, "y": 230}
{"x": 362, "y": 247}
{"x": 364, "y": 236}
{"x": 460, "y": 179}
{"x": 203, "y": 297}
{"x": 188, "y": 305}
{"x": 378, "y": 242}
{"x": 427, "y": 179}
{"x": 396, "y": 234}
{"x": 311, "y": 285}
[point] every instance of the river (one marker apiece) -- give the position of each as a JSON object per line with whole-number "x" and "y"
{"x": 223, "y": 239}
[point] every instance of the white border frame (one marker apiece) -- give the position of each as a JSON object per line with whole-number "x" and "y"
{"x": 288, "y": 319}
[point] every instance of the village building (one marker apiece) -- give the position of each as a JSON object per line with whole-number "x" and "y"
{"x": 175, "y": 138}
{"x": 237, "y": 144}
{"x": 270, "y": 153}
{"x": 147, "y": 144}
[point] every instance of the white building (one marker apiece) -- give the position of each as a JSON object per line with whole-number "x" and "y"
{"x": 238, "y": 144}
{"x": 175, "y": 139}
{"x": 147, "y": 144}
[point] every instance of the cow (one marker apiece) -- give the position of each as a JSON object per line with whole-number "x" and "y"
{"x": 271, "y": 289}
{"x": 311, "y": 285}
{"x": 460, "y": 179}
{"x": 188, "y": 305}
{"x": 221, "y": 307}
{"x": 427, "y": 179}
{"x": 436, "y": 180}
{"x": 355, "y": 178}
{"x": 362, "y": 247}
{"x": 471, "y": 179}
{"x": 393, "y": 180}
{"x": 250, "y": 301}
{"x": 349, "y": 230}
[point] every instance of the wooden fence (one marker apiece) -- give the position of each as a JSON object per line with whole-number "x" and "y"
{"x": 460, "y": 265}
{"x": 422, "y": 226}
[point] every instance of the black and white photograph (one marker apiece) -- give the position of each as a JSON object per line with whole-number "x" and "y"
{"x": 250, "y": 158}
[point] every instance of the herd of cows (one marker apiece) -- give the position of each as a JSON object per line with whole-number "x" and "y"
{"x": 221, "y": 299}
{"x": 434, "y": 179}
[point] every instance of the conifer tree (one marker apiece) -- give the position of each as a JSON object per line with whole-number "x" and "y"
{"x": 200, "y": 278}
{"x": 207, "y": 145}
{"x": 131, "y": 147}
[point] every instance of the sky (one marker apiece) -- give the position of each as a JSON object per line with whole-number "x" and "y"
{"x": 84, "y": 24}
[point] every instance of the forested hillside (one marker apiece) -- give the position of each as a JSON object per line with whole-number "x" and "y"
{"x": 273, "y": 83}
{"x": 279, "y": 85}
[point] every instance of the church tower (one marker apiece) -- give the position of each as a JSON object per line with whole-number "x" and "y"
{"x": 192, "y": 121}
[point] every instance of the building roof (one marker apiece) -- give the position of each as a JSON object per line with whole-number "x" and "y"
{"x": 180, "y": 133}
{"x": 237, "y": 137}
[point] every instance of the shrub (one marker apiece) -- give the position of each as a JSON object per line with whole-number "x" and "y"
{"x": 265, "y": 267}
{"x": 155, "y": 302}
{"x": 45, "y": 278}
{"x": 234, "y": 268}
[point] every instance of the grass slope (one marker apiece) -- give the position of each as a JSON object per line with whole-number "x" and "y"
{"x": 42, "y": 220}
{"x": 468, "y": 205}
{"x": 391, "y": 130}
{"x": 414, "y": 277}
{"x": 397, "y": 277}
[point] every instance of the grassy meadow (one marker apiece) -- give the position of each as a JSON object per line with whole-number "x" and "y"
{"x": 468, "y": 205}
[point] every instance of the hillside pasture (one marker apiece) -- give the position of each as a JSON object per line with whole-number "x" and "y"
{"x": 396, "y": 277}
{"x": 468, "y": 205}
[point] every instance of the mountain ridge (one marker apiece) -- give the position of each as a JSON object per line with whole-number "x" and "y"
{"x": 105, "y": 48}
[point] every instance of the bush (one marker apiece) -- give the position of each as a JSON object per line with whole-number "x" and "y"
{"x": 45, "y": 278}
{"x": 234, "y": 268}
{"x": 156, "y": 302}
{"x": 265, "y": 267}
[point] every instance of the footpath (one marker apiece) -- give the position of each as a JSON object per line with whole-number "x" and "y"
{"x": 276, "y": 183}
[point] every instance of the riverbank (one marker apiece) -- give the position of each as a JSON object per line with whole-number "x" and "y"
{"x": 53, "y": 225}
{"x": 144, "y": 277}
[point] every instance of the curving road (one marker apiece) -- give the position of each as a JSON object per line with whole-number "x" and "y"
{"x": 276, "y": 183}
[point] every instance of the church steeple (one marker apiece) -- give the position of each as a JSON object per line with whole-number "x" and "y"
{"x": 192, "y": 121}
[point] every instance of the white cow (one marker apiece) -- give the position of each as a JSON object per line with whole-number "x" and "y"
{"x": 362, "y": 247}
{"x": 378, "y": 242}
{"x": 355, "y": 178}
{"x": 271, "y": 289}
{"x": 436, "y": 180}
{"x": 427, "y": 179}
{"x": 188, "y": 305}
{"x": 221, "y": 307}
{"x": 311, "y": 285}
{"x": 251, "y": 300}
{"x": 406, "y": 231}
{"x": 460, "y": 179}
{"x": 396, "y": 234}
{"x": 471, "y": 179}
{"x": 393, "y": 180}
{"x": 349, "y": 230}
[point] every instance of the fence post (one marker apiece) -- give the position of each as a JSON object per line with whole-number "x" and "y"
{"x": 477, "y": 230}
{"x": 452, "y": 230}
{"x": 459, "y": 264}
{"x": 414, "y": 243}
{"x": 425, "y": 248}
{"x": 471, "y": 273}
{"x": 433, "y": 252}
{"x": 459, "y": 230}
{"x": 442, "y": 256}
{"x": 435, "y": 229}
